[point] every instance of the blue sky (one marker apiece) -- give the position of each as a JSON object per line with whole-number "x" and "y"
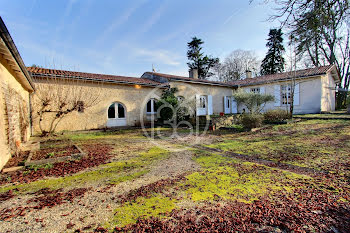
{"x": 127, "y": 37}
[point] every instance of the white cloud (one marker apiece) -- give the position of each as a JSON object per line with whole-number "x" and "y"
{"x": 119, "y": 21}
{"x": 155, "y": 16}
{"x": 157, "y": 56}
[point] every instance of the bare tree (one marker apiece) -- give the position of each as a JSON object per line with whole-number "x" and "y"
{"x": 236, "y": 64}
{"x": 321, "y": 31}
{"x": 55, "y": 98}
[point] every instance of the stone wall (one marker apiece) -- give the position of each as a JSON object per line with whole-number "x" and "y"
{"x": 225, "y": 120}
{"x": 14, "y": 114}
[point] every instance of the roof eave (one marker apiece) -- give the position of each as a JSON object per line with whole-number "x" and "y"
{"x": 7, "y": 39}
{"x": 204, "y": 83}
{"x": 280, "y": 80}
{"x": 335, "y": 73}
{"x": 96, "y": 80}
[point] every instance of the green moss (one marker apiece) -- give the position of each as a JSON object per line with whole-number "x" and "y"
{"x": 155, "y": 206}
{"x": 316, "y": 144}
{"x": 114, "y": 172}
{"x": 131, "y": 176}
{"x": 230, "y": 179}
{"x": 247, "y": 147}
{"x": 342, "y": 200}
{"x": 155, "y": 153}
{"x": 103, "y": 172}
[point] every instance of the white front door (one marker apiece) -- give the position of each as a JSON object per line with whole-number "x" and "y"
{"x": 116, "y": 115}
{"x": 202, "y": 106}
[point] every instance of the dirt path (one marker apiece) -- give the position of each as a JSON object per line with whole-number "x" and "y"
{"x": 97, "y": 205}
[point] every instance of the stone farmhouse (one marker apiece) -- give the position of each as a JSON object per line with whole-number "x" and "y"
{"x": 129, "y": 101}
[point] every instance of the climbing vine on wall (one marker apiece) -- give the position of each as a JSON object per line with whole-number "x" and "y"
{"x": 17, "y": 118}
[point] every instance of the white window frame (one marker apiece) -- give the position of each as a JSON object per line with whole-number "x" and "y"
{"x": 153, "y": 101}
{"x": 285, "y": 94}
{"x": 255, "y": 90}
{"x": 116, "y": 111}
{"x": 228, "y": 102}
{"x": 203, "y": 100}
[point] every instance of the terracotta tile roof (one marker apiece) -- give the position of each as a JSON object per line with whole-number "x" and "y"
{"x": 170, "y": 77}
{"x": 43, "y": 72}
{"x": 283, "y": 76}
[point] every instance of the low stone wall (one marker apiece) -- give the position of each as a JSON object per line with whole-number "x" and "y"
{"x": 225, "y": 120}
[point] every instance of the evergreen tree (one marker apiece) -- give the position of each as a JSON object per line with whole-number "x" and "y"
{"x": 199, "y": 61}
{"x": 274, "y": 61}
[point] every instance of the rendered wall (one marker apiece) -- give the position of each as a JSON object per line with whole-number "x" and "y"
{"x": 14, "y": 109}
{"x": 309, "y": 96}
{"x": 328, "y": 93}
{"x": 189, "y": 90}
{"x": 133, "y": 97}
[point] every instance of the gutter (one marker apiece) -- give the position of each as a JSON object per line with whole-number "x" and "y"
{"x": 5, "y": 35}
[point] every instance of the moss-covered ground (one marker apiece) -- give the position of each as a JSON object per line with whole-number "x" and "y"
{"x": 318, "y": 144}
{"x": 109, "y": 173}
{"x": 224, "y": 192}
{"x": 221, "y": 180}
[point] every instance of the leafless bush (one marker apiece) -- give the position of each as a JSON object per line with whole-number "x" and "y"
{"x": 55, "y": 98}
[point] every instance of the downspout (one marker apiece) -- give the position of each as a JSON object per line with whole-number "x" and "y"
{"x": 30, "y": 114}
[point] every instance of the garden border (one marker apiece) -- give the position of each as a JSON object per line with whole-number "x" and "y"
{"x": 76, "y": 156}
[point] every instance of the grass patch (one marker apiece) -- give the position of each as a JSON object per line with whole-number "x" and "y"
{"x": 100, "y": 135}
{"x": 317, "y": 144}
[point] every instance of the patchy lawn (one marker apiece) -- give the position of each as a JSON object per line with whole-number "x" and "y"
{"x": 168, "y": 184}
{"x": 318, "y": 144}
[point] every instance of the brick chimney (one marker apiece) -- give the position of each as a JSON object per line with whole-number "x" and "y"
{"x": 193, "y": 73}
{"x": 248, "y": 74}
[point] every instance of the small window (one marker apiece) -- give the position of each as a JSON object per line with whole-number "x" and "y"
{"x": 228, "y": 102}
{"x": 151, "y": 106}
{"x": 111, "y": 111}
{"x": 255, "y": 90}
{"x": 202, "y": 102}
{"x": 80, "y": 106}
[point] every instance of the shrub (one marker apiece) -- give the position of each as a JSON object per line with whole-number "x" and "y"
{"x": 277, "y": 115}
{"x": 254, "y": 102}
{"x": 166, "y": 104}
{"x": 250, "y": 121}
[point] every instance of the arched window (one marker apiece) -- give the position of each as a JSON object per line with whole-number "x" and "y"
{"x": 180, "y": 98}
{"x": 116, "y": 110}
{"x": 151, "y": 106}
